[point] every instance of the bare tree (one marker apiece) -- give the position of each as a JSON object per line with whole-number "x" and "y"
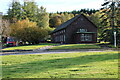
{"x": 4, "y": 31}
{"x": 4, "y": 28}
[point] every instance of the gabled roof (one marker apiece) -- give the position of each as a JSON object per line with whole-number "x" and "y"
{"x": 65, "y": 24}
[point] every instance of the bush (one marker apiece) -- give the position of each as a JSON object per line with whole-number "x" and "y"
{"x": 32, "y": 34}
{"x": 28, "y": 31}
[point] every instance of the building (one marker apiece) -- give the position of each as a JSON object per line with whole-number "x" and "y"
{"x": 76, "y": 30}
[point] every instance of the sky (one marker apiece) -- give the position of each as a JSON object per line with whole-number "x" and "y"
{"x": 58, "y": 5}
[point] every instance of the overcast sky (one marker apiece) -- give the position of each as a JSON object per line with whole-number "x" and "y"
{"x": 58, "y": 5}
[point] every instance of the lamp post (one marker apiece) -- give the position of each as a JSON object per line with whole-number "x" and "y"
{"x": 113, "y": 26}
{"x": 115, "y": 39}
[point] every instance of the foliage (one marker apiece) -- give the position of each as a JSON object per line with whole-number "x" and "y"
{"x": 65, "y": 65}
{"x": 54, "y": 20}
{"x": 58, "y": 19}
{"x": 42, "y": 18}
{"x": 30, "y": 10}
{"x": 32, "y": 35}
{"x": 74, "y": 12}
{"x": 110, "y": 16}
{"x": 14, "y": 12}
{"x": 96, "y": 20}
{"x": 28, "y": 31}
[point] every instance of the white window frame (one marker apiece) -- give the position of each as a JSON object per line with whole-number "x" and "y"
{"x": 86, "y": 37}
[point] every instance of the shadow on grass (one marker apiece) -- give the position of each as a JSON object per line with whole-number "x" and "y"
{"x": 46, "y": 65}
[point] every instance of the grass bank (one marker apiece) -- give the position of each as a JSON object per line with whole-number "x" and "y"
{"x": 29, "y": 47}
{"x": 65, "y": 65}
{"x": 76, "y": 46}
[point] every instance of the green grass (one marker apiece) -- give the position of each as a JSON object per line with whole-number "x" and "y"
{"x": 64, "y": 65}
{"x": 77, "y": 46}
{"x": 29, "y": 47}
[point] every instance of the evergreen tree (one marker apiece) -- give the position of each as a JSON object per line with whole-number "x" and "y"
{"x": 109, "y": 10}
{"x": 30, "y": 10}
{"x": 43, "y": 17}
{"x": 14, "y": 12}
{"x": 96, "y": 20}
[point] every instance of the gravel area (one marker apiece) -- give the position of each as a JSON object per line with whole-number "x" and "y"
{"x": 47, "y": 50}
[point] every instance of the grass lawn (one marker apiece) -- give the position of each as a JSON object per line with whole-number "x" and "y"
{"x": 64, "y": 65}
{"x": 77, "y": 46}
{"x": 29, "y": 47}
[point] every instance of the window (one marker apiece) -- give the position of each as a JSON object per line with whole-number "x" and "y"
{"x": 81, "y": 19}
{"x": 60, "y": 32}
{"x": 82, "y": 37}
{"x": 86, "y": 37}
{"x": 83, "y": 30}
{"x": 64, "y": 31}
{"x": 64, "y": 38}
{"x": 60, "y": 37}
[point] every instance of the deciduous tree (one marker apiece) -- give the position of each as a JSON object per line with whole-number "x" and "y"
{"x": 28, "y": 31}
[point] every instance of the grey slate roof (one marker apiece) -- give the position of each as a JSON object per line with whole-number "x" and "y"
{"x": 65, "y": 24}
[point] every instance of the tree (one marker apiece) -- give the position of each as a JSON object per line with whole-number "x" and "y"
{"x": 109, "y": 10}
{"x": 95, "y": 18}
{"x": 42, "y": 18}
{"x": 67, "y": 16}
{"x": 28, "y": 31}
{"x": 63, "y": 18}
{"x": 14, "y": 12}
{"x": 4, "y": 28}
{"x": 31, "y": 34}
{"x": 55, "y": 20}
{"x": 30, "y": 11}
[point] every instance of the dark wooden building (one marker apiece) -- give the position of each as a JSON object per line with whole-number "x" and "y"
{"x": 76, "y": 30}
